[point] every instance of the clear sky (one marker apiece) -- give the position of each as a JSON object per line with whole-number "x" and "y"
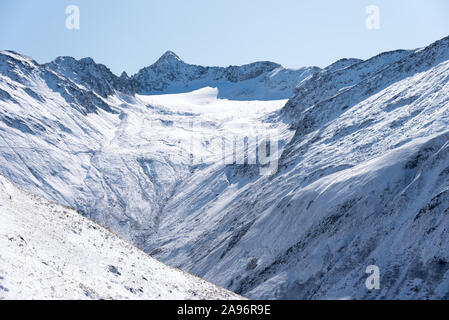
{"x": 128, "y": 35}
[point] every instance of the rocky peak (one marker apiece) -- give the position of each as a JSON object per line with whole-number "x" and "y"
{"x": 169, "y": 57}
{"x": 91, "y": 75}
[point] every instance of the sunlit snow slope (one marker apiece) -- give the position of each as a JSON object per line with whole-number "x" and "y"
{"x": 48, "y": 251}
{"x": 362, "y": 178}
{"x": 363, "y": 181}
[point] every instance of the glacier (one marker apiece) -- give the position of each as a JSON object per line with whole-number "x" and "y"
{"x": 362, "y": 173}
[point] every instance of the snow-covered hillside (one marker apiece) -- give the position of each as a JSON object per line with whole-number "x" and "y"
{"x": 256, "y": 81}
{"x": 362, "y": 179}
{"x": 362, "y": 182}
{"x": 48, "y": 251}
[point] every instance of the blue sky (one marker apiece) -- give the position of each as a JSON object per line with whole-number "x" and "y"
{"x": 128, "y": 35}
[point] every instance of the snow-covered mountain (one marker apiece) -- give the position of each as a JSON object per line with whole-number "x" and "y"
{"x": 255, "y": 81}
{"x": 48, "y": 251}
{"x": 169, "y": 74}
{"x": 362, "y": 175}
{"x": 116, "y": 158}
{"x": 362, "y": 182}
{"x": 93, "y": 76}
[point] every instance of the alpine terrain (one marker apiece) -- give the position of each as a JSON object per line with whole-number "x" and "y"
{"x": 51, "y": 252}
{"x": 173, "y": 160}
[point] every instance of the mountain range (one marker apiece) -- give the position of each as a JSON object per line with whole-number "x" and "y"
{"x": 49, "y": 251}
{"x": 362, "y": 166}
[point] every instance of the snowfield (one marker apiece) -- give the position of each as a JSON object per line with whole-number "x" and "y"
{"x": 48, "y": 251}
{"x": 362, "y": 166}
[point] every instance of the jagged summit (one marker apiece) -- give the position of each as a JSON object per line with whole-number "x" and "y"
{"x": 91, "y": 75}
{"x": 124, "y": 75}
{"x": 263, "y": 80}
{"x": 169, "y": 56}
{"x": 342, "y": 63}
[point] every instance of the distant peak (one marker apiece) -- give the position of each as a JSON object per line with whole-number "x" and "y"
{"x": 72, "y": 60}
{"x": 169, "y": 56}
{"x": 15, "y": 55}
{"x": 87, "y": 60}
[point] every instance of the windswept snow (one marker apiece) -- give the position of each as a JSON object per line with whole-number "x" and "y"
{"x": 48, "y": 251}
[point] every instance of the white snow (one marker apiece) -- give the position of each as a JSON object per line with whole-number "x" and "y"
{"x": 256, "y": 81}
{"x": 48, "y": 251}
{"x": 362, "y": 174}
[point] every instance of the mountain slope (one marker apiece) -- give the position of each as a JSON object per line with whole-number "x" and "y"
{"x": 255, "y": 81}
{"x": 50, "y": 252}
{"x": 362, "y": 173}
{"x": 117, "y": 164}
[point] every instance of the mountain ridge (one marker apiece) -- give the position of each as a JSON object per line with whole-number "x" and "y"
{"x": 60, "y": 255}
{"x": 362, "y": 176}
{"x": 170, "y": 74}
